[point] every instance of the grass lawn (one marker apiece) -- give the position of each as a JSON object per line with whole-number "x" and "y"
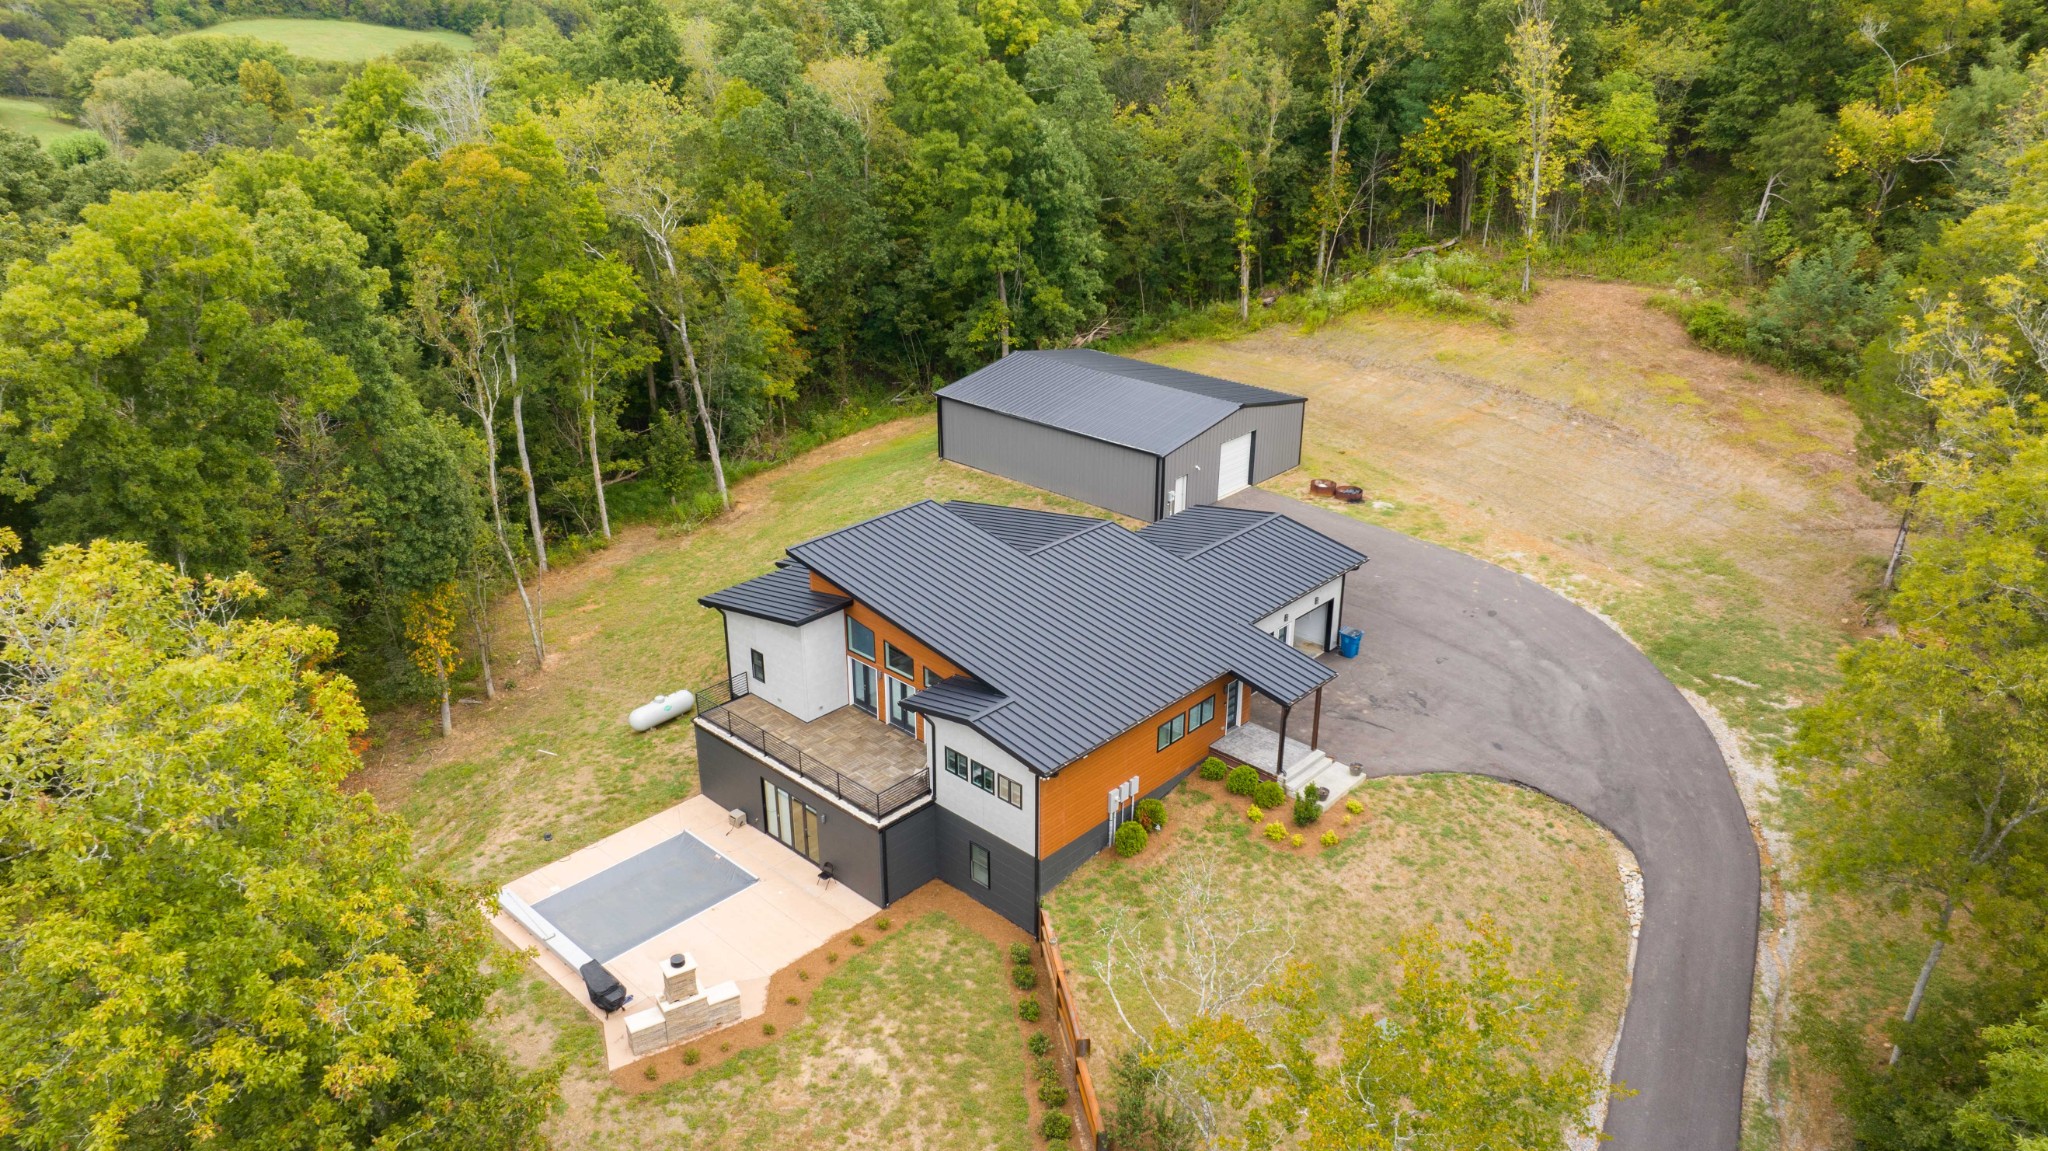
{"x": 553, "y": 756}
{"x": 345, "y": 41}
{"x": 34, "y": 117}
{"x": 910, "y": 1044}
{"x": 1428, "y": 849}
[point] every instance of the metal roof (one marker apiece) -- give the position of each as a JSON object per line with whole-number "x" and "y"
{"x": 1084, "y": 639}
{"x": 1025, "y": 529}
{"x": 1262, "y": 560}
{"x": 783, "y": 595}
{"x": 1110, "y": 398}
{"x": 958, "y": 697}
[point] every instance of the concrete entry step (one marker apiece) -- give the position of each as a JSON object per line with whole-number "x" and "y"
{"x": 1331, "y": 774}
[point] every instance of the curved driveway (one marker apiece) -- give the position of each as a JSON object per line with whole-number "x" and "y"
{"x": 1469, "y": 667}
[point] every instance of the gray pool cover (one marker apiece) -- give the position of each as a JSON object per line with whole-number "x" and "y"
{"x": 631, "y": 902}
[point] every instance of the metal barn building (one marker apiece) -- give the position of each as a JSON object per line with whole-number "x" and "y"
{"x": 1122, "y": 434}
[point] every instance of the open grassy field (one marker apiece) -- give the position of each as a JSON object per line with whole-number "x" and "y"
{"x": 34, "y": 117}
{"x": 1427, "y": 849}
{"x": 344, "y": 41}
{"x": 911, "y": 1043}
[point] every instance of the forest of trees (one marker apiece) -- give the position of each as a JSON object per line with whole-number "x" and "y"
{"x": 396, "y": 337}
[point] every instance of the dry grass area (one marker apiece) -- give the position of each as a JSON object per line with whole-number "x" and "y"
{"x": 1427, "y": 849}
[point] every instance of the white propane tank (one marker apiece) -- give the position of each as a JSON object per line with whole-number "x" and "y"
{"x": 661, "y": 709}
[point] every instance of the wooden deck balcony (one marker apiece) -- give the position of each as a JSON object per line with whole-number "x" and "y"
{"x": 868, "y": 765}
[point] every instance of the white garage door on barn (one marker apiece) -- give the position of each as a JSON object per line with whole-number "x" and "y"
{"x": 1234, "y": 473}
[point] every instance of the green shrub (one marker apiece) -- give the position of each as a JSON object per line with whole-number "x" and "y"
{"x": 1045, "y": 1070}
{"x": 1713, "y": 324}
{"x": 1024, "y": 976}
{"x": 1056, "y": 1125}
{"x": 1276, "y": 831}
{"x": 1130, "y": 838}
{"x": 767, "y": 1029}
{"x": 690, "y": 1056}
{"x": 1242, "y": 779}
{"x": 858, "y": 940}
{"x": 1269, "y": 794}
{"x": 1823, "y": 311}
{"x": 1295, "y": 840}
{"x": 1020, "y": 953}
{"x": 1040, "y": 1043}
{"x": 1254, "y": 813}
{"x": 1329, "y": 839}
{"x": 1152, "y": 813}
{"x": 1354, "y": 806}
{"x": 1052, "y": 1094}
{"x": 882, "y": 924}
{"x": 1028, "y": 1010}
{"x": 1306, "y": 811}
{"x": 1213, "y": 769}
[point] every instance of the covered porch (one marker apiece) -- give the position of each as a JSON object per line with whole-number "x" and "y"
{"x": 1284, "y": 742}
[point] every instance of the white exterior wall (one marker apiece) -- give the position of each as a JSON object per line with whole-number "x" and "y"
{"x": 1017, "y": 827}
{"x": 1334, "y": 590}
{"x": 806, "y": 665}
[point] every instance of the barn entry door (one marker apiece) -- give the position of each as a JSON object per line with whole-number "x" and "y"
{"x": 1234, "y": 473}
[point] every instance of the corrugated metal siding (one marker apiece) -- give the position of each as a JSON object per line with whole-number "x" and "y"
{"x": 1104, "y": 474}
{"x": 1276, "y": 447}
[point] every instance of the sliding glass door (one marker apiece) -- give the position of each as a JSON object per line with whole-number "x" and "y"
{"x": 790, "y": 820}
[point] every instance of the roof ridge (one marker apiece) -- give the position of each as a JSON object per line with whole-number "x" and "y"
{"x": 1070, "y": 537}
{"x": 1219, "y": 541}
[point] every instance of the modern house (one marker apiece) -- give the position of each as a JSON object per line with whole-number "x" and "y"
{"x": 1135, "y": 438}
{"x": 979, "y": 694}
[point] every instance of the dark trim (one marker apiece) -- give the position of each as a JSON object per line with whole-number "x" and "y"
{"x": 725, "y": 638}
{"x": 1159, "y": 489}
{"x": 942, "y": 425}
{"x": 792, "y": 621}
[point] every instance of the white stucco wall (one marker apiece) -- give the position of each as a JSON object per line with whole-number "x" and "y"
{"x": 1334, "y": 590}
{"x": 1017, "y": 827}
{"x": 806, "y": 665}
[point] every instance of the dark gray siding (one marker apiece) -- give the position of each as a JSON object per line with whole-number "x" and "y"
{"x": 913, "y": 851}
{"x": 1012, "y": 890}
{"x": 1107, "y": 475}
{"x": 732, "y": 778}
{"x": 1067, "y": 860}
{"x": 1276, "y": 447}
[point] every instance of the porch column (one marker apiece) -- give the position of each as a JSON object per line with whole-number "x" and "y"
{"x": 1280, "y": 756}
{"x": 1315, "y": 729}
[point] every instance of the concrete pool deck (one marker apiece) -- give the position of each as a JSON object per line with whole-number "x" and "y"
{"x": 746, "y": 938}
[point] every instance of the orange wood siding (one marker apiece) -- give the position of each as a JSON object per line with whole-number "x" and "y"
{"x": 1076, "y": 800}
{"x": 886, "y": 632}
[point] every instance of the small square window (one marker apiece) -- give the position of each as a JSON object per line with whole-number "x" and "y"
{"x": 898, "y": 660}
{"x": 860, "y": 638}
{"x": 758, "y": 664}
{"x": 1010, "y": 791}
{"x": 984, "y": 775}
{"x": 977, "y": 863}
{"x": 956, "y": 764}
{"x": 1202, "y": 712}
{"x": 931, "y": 678}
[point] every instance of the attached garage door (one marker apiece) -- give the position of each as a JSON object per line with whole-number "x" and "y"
{"x": 1314, "y": 628}
{"x": 1235, "y": 472}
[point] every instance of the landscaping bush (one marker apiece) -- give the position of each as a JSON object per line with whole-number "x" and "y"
{"x": 1329, "y": 839}
{"x": 1052, "y": 1094}
{"x": 1056, "y": 1125}
{"x": 1354, "y": 807}
{"x": 1295, "y": 840}
{"x": 1213, "y": 769}
{"x": 1276, "y": 831}
{"x": 1821, "y": 313}
{"x": 1242, "y": 780}
{"x": 1040, "y": 1043}
{"x": 882, "y": 924}
{"x": 1028, "y": 1010}
{"x": 1253, "y": 813}
{"x": 767, "y": 1029}
{"x": 1024, "y": 976}
{"x": 1020, "y": 953}
{"x": 1306, "y": 811}
{"x": 1269, "y": 794}
{"x": 691, "y": 1056}
{"x": 1152, "y": 813}
{"x": 1130, "y": 838}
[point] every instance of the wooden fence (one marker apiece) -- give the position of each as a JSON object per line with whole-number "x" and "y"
{"x": 1077, "y": 1045}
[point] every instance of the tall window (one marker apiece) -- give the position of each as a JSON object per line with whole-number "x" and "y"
{"x": 758, "y": 664}
{"x": 977, "y": 863}
{"x": 863, "y": 686}
{"x": 1010, "y": 790}
{"x": 860, "y": 638}
{"x": 897, "y": 660}
{"x": 1202, "y": 712}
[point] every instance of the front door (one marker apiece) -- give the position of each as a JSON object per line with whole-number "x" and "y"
{"x": 792, "y": 821}
{"x": 1177, "y": 497}
{"x": 864, "y": 687}
{"x": 898, "y": 714}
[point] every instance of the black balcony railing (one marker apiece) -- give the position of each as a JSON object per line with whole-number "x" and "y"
{"x": 855, "y": 794}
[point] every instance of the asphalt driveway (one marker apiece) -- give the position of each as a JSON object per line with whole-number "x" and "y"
{"x": 1469, "y": 667}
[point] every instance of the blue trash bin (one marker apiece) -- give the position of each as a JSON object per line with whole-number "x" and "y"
{"x": 1348, "y": 641}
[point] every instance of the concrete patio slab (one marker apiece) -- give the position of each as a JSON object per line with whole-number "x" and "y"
{"x": 746, "y": 939}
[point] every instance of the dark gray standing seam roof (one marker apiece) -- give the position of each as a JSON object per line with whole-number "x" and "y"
{"x": 783, "y": 595}
{"x": 1261, "y": 560}
{"x": 1108, "y": 398}
{"x": 1025, "y": 529}
{"x": 1084, "y": 639}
